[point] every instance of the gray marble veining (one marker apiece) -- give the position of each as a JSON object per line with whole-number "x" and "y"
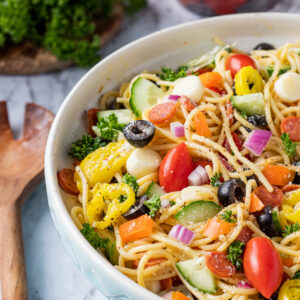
{"x": 51, "y": 273}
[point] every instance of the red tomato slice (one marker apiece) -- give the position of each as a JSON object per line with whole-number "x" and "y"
{"x": 237, "y": 61}
{"x": 92, "y": 120}
{"x": 263, "y": 265}
{"x": 273, "y": 199}
{"x": 175, "y": 169}
{"x": 188, "y": 103}
{"x": 162, "y": 113}
{"x": 66, "y": 181}
{"x": 218, "y": 263}
{"x": 245, "y": 235}
{"x": 291, "y": 125}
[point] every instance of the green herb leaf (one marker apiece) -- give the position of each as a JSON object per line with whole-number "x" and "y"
{"x": 284, "y": 70}
{"x": 289, "y": 229}
{"x": 297, "y": 275}
{"x": 227, "y": 216}
{"x": 172, "y": 203}
{"x": 109, "y": 127}
{"x": 153, "y": 204}
{"x": 131, "y": 181}
{"x": 215, "y": 180}
{"x": 169, "y": 75}
{"x": 288, "y": 145}
{"x": 133, "y": 6}
{"x": 122, "y": 198}
{"x": 234, "y": 254}
{"x": 81, "y": 148}
{"x": 93, "y": 237}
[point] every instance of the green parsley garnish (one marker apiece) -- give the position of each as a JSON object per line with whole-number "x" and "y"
{"x": 288, "y": 145}
{"x": 109, "y": 127}
{"x": 289, "y": 229}
{"x": 235, "y": 252}
{"x": 172, "y": 203}
{"x": 122, "y": 198}
{"x": 215, "y": 180}
{"x": 153, "y": 204}
{"x": 297, "y": 275}
{"x": 169, "y": 75}
{"x": 270, "y": 70}
{"x": 131, "y": 181}
{"x": 81, "y": 148}
{"x": 227, "y": 216}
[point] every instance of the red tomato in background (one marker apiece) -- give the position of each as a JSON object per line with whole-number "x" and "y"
{"x": 175, "y": 169}
{"x": 218, "y": 263}
{"x": 263, "y": 265}
{"x": 237, "y": 61}
{"x": 291, "y": 125}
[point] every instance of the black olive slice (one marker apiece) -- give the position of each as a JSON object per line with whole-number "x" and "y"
{"x": 137, "y": 209}
{"x": 139, "y": 133}
{"x": 258, "y": 120}
{"x": 231, "y": 191}
{"x": 264, "y": 46}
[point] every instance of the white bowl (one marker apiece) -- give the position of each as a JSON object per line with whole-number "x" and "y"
{"x": 169, "y": 47}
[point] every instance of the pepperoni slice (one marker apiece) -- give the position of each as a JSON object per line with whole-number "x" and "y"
{"x": 218, "y": 263}
{"x": 162, "y": 113}
{"x": 188, "y": 103}
{"x": 291, "y": 125}
{"x": 66, "y": 181}
{"x": 92, "y": 120}
{"x": 245, "y": 235}
{"x": 269, "y": 199}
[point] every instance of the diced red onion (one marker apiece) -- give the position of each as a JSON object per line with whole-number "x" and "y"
{"x": 257, "y": 141}
{"x": 165, "y": 203}
{"x": 182, "y": 234}
{"x": 177, "y": 129}
{"x": 198, "y": 176}
{"x": 244, "y": 284}
{"x": 173, "y": 97}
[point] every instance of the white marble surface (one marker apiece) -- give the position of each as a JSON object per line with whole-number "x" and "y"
{"x": 51, "y": 273}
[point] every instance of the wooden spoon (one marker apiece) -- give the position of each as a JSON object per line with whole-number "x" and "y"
{"x": 21, "y": 168}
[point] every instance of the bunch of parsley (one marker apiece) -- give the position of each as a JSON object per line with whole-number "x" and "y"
{"x": 64, "y": 27}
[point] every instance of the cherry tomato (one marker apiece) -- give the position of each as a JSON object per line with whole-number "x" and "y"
{"x": 245, "y": 235}
{"x": 188, "y": 103}
{"x": 218, "y": 263}
{"x": 263, "y": 265}
{"x": 175, "y": 169}
{"x": 273, "y": 199}
{"x": 66, "y": 181}
{"x": 162, "y": 113}
{"x": 291, "y": 125}
{"x": 237, "y": 61}
{"x": 92, "y": 120}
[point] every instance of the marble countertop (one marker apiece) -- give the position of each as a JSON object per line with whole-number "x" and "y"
{"x": 51, "y": 273}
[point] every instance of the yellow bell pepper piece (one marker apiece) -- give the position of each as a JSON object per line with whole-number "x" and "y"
{"x": 107, "y": 198}
{"x": 101, "y": 165}
{"x": 292, "y": 198}
{"x": 248, "y": 81}
{"x": 290, "y": 213}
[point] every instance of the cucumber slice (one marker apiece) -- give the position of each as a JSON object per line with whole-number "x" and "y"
{"x": 144, "y": 94}
{"x": 252, "y": 104}
{"x": 276, "y": 222}
{"x": 125, "y": 116}
{"x": 154, "y": 188}
{"x": 196, "y": 273}
{"x": 196, "y": 212}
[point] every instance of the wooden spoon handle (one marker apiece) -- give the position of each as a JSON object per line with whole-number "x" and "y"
{"x": 12, "y": 261}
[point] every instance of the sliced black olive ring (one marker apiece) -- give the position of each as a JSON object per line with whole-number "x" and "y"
{"x": 231, "y": 191}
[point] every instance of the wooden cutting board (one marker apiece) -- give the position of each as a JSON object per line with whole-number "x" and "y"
{"x": 27, "y": 59}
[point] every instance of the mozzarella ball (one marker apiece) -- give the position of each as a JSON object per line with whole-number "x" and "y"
{"x": 287, "y": 87}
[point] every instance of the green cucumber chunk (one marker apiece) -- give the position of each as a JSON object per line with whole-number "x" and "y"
{"x": 154, "y": 188}
{"x": 125, "y": 116}
{"x": 144, "y": 94}
{"x": 197, "y": 274}
{"x": 252, "y": 104}
{"x": 196, "y": 212}
{"x": 276, "y": 222}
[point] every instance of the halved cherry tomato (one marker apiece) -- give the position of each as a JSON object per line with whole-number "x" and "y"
{"x": 237, "y": 61}
{"x": 278, "y": 175}
{"x": 66, "y": 181}
{"x": 175, "y": 169}
{"x": 273, "y": 199}
{"x": 92, "y": 120}
{"x": 188, "y": 103}
{"x": 263, "y": 265}
{"x": 162, "y": 113}
{"x": 229, "y": 110}
{"x": 151, "y": 262}
{"x": 290, "y": 188}
{"x": 218, "y": 263}
{"x": 245, "y": 235}
{"x": 291, "y": 125}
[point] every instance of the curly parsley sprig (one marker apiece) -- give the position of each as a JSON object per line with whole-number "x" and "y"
{"x": 235, "y": 254}
{"x": 169, "y": 75}
{"x": 215, "y": 180}
{"x": 153, "y": 204}
{"x": 288, "y": 145}
{"x": 289, "y": 229}
{"x": 228, "y": 217}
